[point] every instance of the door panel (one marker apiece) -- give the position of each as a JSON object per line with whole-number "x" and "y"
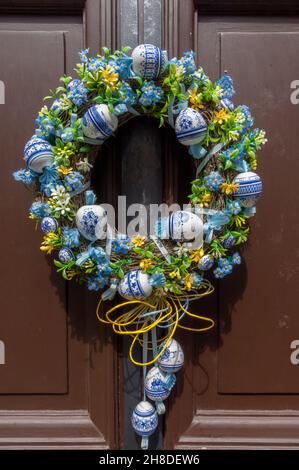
{"x": 58, "y": 383}
{"x": 238, "y": 381}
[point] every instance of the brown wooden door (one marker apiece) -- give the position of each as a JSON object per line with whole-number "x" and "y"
{"x": 57, "y": 383}
{"x": 240, "y": 387}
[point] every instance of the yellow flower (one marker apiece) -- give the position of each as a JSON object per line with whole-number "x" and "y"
{"x": 206, "y": 199}
{"x": 64, "y": 170}
{"x": 146, "y": 264}
{"x": 50, "y": 242}
{"x": 195, "y": 99}
{"x": 71, "y": 273}
{"x": 196, "y": 255}
{"x": 254, "y": 164}
{"x": 138, "y": 241}
{"x": 188, "y": 282}
{"x": 109, "y": 77}
{"x": 221, "y": 116}
{"x": 175, "y": 273}
{"x": 239, "y": 220}
{"x": 229, "y": 188}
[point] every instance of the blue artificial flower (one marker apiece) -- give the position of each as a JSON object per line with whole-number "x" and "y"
{"x": 229, "y": 241}
{"x": 74, "y": 181}
{"x": 233, "y": 207}
{"x": 236, "y": 258}
{"x": 48, "y": 188}
{"x": 151, "y": 94}
{"x": 188, "y": 62}
{"x": 46, "y": 126}
{"x": 248, "y": 118}
{"x": 213, "y": 181}
{"x": 121, "y": 245}
{"x": 84, "y": 55}
{"x": 101, "y": 278}
{"x": 122, "y": 66}
{"x": 127, "y": 95}
{"x": 26, "y": 176}
{"x": 224, "y": 268}
{"x": 40, "y": 210}
{"x": 95, "y": 64}
{"x": 227, "y": 85}
{"x": 50, "y": 175}
{"x": 70, "y": 237}
{"x": 77, "y": 92}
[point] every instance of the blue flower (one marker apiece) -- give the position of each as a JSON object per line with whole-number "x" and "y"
{"x": 224, "y": 268}
{"x": 122, "y": 66}
{"x": 227, "y": 85}
{"x": 229, "y": 241}
{"x": 236, "y": 258}
{"x": 213, "y": 181}
{"x": 46, "y": 126}
{"x": 121, "y": 245}
{"x": 248, "y": 118}
{"x": 151, "y": 94}
{"x": 84, "y": 55}
{"x": 50, "y": 175}
{"x": 74, "y": 181}
{"x": 101, "y": 278}
{"x": 77, "y": 92}
{"x": 188, "y": 62}
{"x": 233, "y": 207}
{"x": 47, "y": 188}
{"x": 127, "y": 95}
{"x": 95, "y": 64}
{"x": 70, "y": 237}
{"x": 40, "y": 209}
{"x": 26, "y": 176}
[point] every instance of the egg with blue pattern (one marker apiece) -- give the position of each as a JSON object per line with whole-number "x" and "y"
{"x": 144, "y": 419}
{"x": 135, "y": 285}
{"x": 249, "y": 188}
{"x": 98, "y": 124}
{"x": 172, "y": 359}
{"x": 49, "y": 224}
{"x": 190, "y": 127}
{"x": 154, "y": 385}
{"x": 38, "y": 154}
{"x": 149, "y": 61}
{"x": 65, "y": 255}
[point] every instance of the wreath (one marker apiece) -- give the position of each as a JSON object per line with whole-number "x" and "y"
{"x": 160, "y": 275}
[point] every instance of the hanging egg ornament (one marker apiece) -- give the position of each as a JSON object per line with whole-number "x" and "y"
{"x": 87, "y": 219}
{"x": 172, "y": 359}
{"x": 249, "y": 188}
{"x": 181, "y": 226}
{"x": 154, "y": 385}
{"x": 135, "y": 285}
{"x": 149, "y": 61}
{"x": 49, "y": 224}
{"x": 65, "y": 255}
{"x": 205, "y": 263}
{"x": 38, "y": 154}
{"x": 144, "y": 421}
{"x": 190, "y": 127}
{"x": 98, "y": 124}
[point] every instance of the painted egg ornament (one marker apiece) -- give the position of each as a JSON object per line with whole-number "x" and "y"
{"x": 205, "y": 263}
{"x": 249, "y": 188}
{"x": 190, "y": 127}
{"x": 65, "y": 255}
{"x": 38, "y": 154}
{"x": 154, "y": 385}
{"x": 144, "y": 419}
{"x": 172, "y": 359}
{"x": 87, "y": 218}
{"x": 180, "y": 225}
{"x": 98, "y": 124}
{"x": 135, "y": 285}
{"x": 49, "y": 224}
{"x": 149, "y": 61}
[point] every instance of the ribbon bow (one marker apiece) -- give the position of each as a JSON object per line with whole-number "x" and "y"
{"x": 96, "y": 254}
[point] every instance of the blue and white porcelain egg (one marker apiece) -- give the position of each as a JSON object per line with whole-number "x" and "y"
{"x": 190, "y": 127}
{"x": 38, "y": 154}
{"x": 98, "y": 124}
{"x": 205, "y": 263}
{"x": 149, "y": 61}
{"x": 135, "y": 285}
{"x": 249, "y": 188}
{"x": 65, "y": 255}
{"x": 49, "y": 224}
{"x": 172, "y": 359}
{"x": 87, "y": 218}
{"x": 154, "y": 385}
{"x": 181, "y": 226}
{"x": 144, "y": 419}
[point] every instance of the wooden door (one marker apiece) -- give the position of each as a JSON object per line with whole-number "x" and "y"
{"x": 240, "y": 387}
{"x": 58, "y": 376}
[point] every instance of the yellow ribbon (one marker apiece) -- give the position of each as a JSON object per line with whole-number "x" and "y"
{"x": 144, "y": 315}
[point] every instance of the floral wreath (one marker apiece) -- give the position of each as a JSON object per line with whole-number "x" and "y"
{"x": 159, "y": 276}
